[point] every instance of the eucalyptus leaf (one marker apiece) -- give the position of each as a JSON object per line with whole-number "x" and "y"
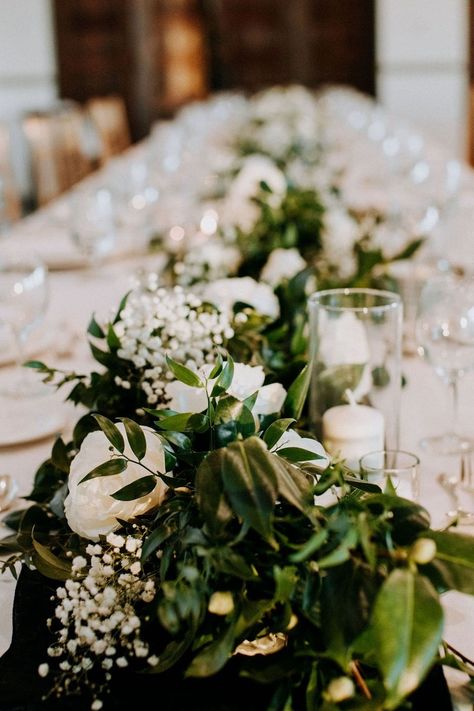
{"x": 297, "y": 393}
{"x": 276, "y": 430}
{"x": 136, "y": 489}
{"x": 111, "y": 431}
{"x": 110, "y": 468}
{"x": 183, "y": 374}
{"x": 136, "y": 437}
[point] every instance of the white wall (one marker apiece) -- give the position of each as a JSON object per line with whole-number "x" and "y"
{"x": 27, "y": 67}
{"x": 422, "y": 65}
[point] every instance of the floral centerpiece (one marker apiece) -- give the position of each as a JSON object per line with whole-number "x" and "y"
{"x": 194, "y": 539}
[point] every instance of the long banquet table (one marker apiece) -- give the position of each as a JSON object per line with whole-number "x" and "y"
{"x": 75, "y": 295}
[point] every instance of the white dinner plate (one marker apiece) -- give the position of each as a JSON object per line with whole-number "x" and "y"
{"x": 28, "y": 420}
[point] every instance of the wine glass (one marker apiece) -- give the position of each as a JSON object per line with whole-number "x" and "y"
{"x": 23, "y": 302}
{"x": 445, "y": 336}
{"x": 93, "y": 225}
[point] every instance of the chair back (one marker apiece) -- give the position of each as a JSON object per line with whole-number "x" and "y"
{"x": 109, "y": 116}
{"x": 58, "y": 159}
{"x": 10, "y": 201}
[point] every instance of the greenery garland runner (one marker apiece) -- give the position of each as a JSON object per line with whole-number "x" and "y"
{"x": 195, "y": 530}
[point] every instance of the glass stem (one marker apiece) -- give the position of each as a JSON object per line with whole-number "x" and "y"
{"x": 453, "y": 387}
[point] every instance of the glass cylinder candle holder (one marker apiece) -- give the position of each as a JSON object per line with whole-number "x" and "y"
{"x": 355, "y": 349}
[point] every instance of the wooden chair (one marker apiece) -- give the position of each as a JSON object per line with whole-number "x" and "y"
{"x": 58, "y": 159}
{"x": 109, "y": 116}
{"x": 10, "y": 201}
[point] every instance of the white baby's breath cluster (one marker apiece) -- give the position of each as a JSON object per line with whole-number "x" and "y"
{"x": 97, "y": 623}
{"x": 207, "y": 262}
{"x": 158, "y": 321}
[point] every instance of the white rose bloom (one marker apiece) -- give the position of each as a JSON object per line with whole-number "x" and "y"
{"x": 90, "y": 509}
{"x": 246, "y": 381}
{"x": 256, "y": 169}
{"x": 339, "y": 235}
{"x": 282, "y": 264}
{"x": 224, "y": 293}
{"x": 270, "y": 399}
{"x": 290, "y": 438}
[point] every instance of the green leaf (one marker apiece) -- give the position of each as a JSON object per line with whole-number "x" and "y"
{"x": 210, "y": 497}
{"x": 49, "y": 564}
{"x": 250, "y": 481}
{"x": 110, "y": 468}
{"x": 334, "y": 381}
{"x": 342, "y": 552}
{"x": 136, "y": 437}
{"x": 228, "y": 409}
{"x": 113, "y": 340}
{"x": 293, "y": 485}
{"x": 408, "y": 624}
{"x": 224, "y": 380}
{"x": 135, "y": 490}
{"x": 297, "y": 393}
{"x": 217, "y": 369}
{"x": 59, "y": 456}
{"x": 297, "y": 454}
{"x": 276, "y": 430}
{"x": 454, "y": 559}
{"x": 214, "y": 656}
{"x": 111, "y": 431}
{"x": 184, "y": 374}
{"x": 94, "y": 329}
{"x": 121, "y": 307}
{"x": 155, "y": 539}
{"x": 312, "y": 545}
{"x": 185, "y": 421}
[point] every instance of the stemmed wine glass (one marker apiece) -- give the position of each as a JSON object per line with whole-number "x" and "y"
{"x": 23, "y": 302}
{"x": 445, "y": 336}
{"x": 93, "y": 225}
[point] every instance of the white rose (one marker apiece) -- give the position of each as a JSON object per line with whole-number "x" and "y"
{"x": 339, "y": 235}
{"x": 290, "y": 438}
{"x": 224, "y": 293}
{"x": 90, "y": 509}
{"x": 246, "y": 381}
{"x": 256, "y": 169}
{"x": 282, "y": 264}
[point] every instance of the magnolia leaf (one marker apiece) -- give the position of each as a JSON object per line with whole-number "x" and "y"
{"x": 297, "y": 393}
{"x": 49, "y": 564}
{"x": 276, "y": 430}
{"x": 136, "y": 437}
{"x": 137, "y": 489}
{"x": 111, "y": 431}
{"x": 183, "y": 374}
{"x": 250, "y": 481}
{"x": 408, "y": 622}
{"x": 298, "y": 454}
{"x": 110, "y": 468}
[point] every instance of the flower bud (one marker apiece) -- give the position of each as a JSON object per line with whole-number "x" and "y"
{"x": 340, "y": 689}
{"x": 221, "y": 603}
{"x": 423, "y": 551}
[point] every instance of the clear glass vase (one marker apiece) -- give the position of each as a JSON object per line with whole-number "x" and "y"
{"x": 355, "y": 348}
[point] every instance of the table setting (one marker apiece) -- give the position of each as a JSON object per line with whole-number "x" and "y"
{"x": 239, "y": 465}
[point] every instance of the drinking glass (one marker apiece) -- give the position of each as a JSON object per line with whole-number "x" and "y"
{"x": 445, "y": 336}
{"x": 23, "y": 301}
{"x": 355, "y": 342}
{"x": 93, "y": 225}
{"x": 393, "y": 468}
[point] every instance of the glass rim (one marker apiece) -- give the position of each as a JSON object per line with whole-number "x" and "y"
{"x": 415, "y": 461}
{"x": 393, "y": 299}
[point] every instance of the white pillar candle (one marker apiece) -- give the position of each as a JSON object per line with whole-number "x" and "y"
{"x": 350, "y": 431}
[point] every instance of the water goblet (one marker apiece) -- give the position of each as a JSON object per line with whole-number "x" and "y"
{"x": 23, "y": 302}
{"x": 93, "y": 225}
{"x": 445, "y": 337}
{"x": 393, "y": 469}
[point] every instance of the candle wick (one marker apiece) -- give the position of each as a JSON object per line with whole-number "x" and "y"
{"x": 350, "y": 397}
